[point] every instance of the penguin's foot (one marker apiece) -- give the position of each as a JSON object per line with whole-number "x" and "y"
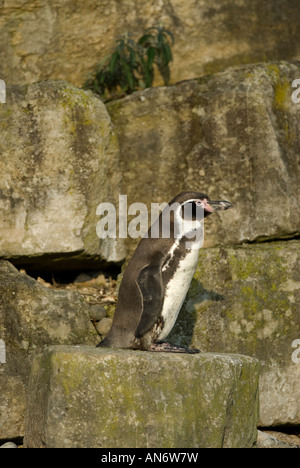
{"x": 169, "y": 348}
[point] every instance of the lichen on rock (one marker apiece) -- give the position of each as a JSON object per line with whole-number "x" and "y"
{"x": 245, "y": 299}
{"x": 59, "y": 160}
{"x": 120, "y": 398}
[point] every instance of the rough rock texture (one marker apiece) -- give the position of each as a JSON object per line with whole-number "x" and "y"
{"x": 247, "y": 300}
{"x": 32, "y": 317}
{"x": 59, "y": 160}
{"x": 87, "y": 397}
{"x": 55, "y": 39}
{"x": 274, "y": 439}
{"x": 233, "y": 135}
{"x": 12, "y": 405}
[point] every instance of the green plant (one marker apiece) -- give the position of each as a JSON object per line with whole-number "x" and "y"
{"x": 131, "y": 65}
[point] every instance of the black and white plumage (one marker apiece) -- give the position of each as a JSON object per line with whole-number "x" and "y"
{"x": 158, "y": 276}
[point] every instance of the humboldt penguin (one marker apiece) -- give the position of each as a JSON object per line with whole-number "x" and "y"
{"x": 158, "y": 276}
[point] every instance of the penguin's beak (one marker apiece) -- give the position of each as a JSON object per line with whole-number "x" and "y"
{"x": 212, "y": 206}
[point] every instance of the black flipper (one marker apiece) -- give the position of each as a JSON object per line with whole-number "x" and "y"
{"x": 151, "y": 288}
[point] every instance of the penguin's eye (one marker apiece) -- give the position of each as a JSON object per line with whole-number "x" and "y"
{"x": 198, "y": 202}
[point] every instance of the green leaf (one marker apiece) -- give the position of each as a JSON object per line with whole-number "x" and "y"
{"x": 130, "y": 66}
{"x": 121, "y": 46}
{"x": 145, "y": 38}
{"x": 170, "y": 34}
{"x": 166, "y": 53}
{"x": 165, "y": 72}
{"x": 113, "y": 61}
{"x": 131, "y": 43}
{"x": 131, "y": 56}
{"x": 148, "y": 77}
{"x": 128, "y": 73}
{"x": 153, "y": 28}
{"x": 151, "y": 56}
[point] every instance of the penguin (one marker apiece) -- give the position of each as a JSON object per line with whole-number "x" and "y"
{"x": 158, "y": 276}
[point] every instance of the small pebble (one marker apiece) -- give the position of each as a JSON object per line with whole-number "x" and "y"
{"x": 9, "y": 445}
{"x": 104, "y": 326}
{"x": 82, "y": 278}
{"x": 97, "y": 312}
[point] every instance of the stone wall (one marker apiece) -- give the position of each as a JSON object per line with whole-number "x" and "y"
{"x": 235, "y": 135}
{"x": 246, "y": 300}
{"x": 59, "y": 160}
{"x": 232, "y": 135}
{"x": 43, "y": 40}
{"x": 31, "y": 317}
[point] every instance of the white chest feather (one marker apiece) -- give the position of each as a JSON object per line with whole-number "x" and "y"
{"x": 176, "y": 291}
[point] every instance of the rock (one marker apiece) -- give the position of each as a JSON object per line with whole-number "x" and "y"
{"x": 59, "y": 160}
{"x": 66, "y": 40}
{"x": 82, "y": 278}
{"x": 246, "y": 299}
{"x": 232, "y": 135}
{"x": 97, "y": 312}
{"x": 88, "y": 397}
{"x": 9, "y": 445}
{"x": 12, "y": 404}
{"x": 291, "y": 439}
{"x": 104, "y": 326}
{"x": 32, "y": 317}
{"x": 275, "y": 440}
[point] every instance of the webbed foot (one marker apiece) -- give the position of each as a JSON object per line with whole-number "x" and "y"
{"x": 169, "y": 348}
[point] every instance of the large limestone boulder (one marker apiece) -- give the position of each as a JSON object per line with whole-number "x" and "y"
{"x": 247, "y": 300}
{"x": 59, "y": 160}
{"x": 32, "y": 317}
{"x": 67, "y": 39}
{"x": 87, "y": 398}
{"x": 232, "y": 135}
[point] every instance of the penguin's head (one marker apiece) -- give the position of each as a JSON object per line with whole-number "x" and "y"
{"x": 183, "y": 216}
{"x": 210, "y": 206}
{"x": 196, "y": 205}
{"x": 188, "y": 209}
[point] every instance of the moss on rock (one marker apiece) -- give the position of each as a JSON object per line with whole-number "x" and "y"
{"x": 59, "y": 161}
{"x": 32, "y": 317}
{"x": 231, "y": 134}
{"x": 246, "y": 300}
{"x": 87, "y": 397}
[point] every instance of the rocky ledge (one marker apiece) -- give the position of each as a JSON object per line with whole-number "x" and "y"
{"x": 86, "y": 397}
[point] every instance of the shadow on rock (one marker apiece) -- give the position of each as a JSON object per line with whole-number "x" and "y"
{"x": 183, "y": 331}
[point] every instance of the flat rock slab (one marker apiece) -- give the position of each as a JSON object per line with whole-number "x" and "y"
{"x": 87, "y": 397}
